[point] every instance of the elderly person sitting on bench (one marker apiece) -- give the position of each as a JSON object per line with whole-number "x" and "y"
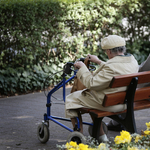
{"x": 97, "y": 84}
{"x": 115, "y": 126}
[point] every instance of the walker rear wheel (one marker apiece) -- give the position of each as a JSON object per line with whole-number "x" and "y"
{"x": 76, "y": 137}
{"x": 43, "y": 133}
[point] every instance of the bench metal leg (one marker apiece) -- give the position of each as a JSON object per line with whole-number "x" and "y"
{"x": 96, "y": 128}
{"x": 129, "y": 121}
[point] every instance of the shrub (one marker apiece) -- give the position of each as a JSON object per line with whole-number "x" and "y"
{"x": 48, "y": 32}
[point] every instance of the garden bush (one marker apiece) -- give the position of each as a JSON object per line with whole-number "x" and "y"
{"x": 45, "y": 34}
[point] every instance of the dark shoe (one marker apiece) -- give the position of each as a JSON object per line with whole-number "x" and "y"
{"x": 112, "y": 127}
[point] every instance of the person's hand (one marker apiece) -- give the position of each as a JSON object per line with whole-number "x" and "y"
{"x": 94, "y": 59}
{"x": 79, "y": 64}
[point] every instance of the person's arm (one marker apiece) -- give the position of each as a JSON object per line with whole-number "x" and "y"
{"x": 99, "y": 81}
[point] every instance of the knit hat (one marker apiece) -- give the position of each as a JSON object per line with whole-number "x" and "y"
{"x": 112, "y": 41}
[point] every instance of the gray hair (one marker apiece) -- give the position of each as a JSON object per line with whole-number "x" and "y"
{"x": 116, "y": 50}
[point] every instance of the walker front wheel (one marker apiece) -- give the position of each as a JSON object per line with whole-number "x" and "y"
{"x": 76, "y": 137}
{"x": 43, "y": 133}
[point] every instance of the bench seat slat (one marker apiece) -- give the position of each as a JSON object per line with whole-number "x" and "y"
{"x": 124, "y": 80}
{"x": 118, "y": 98}
{"x": 143, "y": 104}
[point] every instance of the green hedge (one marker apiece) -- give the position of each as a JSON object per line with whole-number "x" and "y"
{"x": 46, "y": 34}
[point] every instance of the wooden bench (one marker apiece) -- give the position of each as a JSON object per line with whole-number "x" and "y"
{"x": 135, "y": 98}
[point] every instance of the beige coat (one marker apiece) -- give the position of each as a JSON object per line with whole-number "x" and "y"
{"x": 98, "y": 85}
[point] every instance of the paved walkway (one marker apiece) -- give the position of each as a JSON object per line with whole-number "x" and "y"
{"x": 20, "y": 116}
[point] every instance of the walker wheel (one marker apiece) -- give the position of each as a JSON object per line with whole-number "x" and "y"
{"x": 43, "y": 133}
{"x": 76, "y": 137}
{"x": 90, "y": 128}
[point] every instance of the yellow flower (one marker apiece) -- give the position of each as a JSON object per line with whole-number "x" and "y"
{"x": 137, "y": 138}
{"x": 83, "y": 147}
{"x": 132, "y": 148}
{"x": 148, "y": 125}
{"x": 67, "y": 145}
{"x": 102, "y": 145}
{"x": 147, "y": 132}
{"x": 119, "y": 140}
{"x": 72, "y": 149}
{"x": 73, "y": 144}
{"x": 126, "y": 136}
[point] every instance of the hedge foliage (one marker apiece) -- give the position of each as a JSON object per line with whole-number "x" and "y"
{"x": 39, "y": 36}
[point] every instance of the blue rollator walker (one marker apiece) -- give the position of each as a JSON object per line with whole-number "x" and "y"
{"x": 43, "y": 129}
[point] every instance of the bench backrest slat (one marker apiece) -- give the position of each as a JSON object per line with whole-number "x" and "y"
{"x": 124, "y": 80}
{"x": 118, "y": 98}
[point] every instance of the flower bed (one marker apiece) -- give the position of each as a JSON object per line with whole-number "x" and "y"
{"x": 125, "y": 141}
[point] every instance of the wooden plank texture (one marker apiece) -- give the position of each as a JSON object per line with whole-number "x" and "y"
{"x": 124, "y": 80}
{"x": 118, "y": 98}
{"x": 137, "y": 106}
